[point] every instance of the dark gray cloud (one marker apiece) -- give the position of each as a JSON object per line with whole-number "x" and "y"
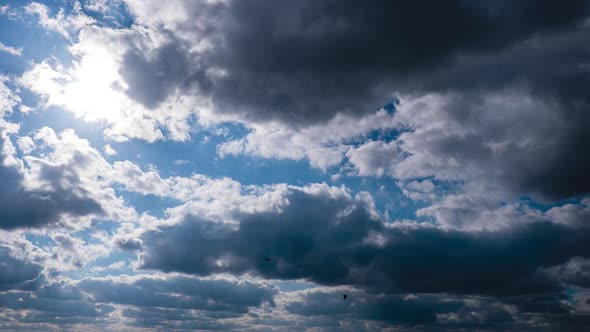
{"x": 58, "y": 303}
{"x": 20, "y": 208}
{"x": 172, "y": 303}
{"x": 304, "y": 62}
{"x": 575, "y": 272}
{"x": 201, "y": 294}
{"x": 17, "y": 274}
{"x": 318, "y": 239}
{"x": 180, "y": 319}
{"x": 395, "y": 308}
{"x": 405, "y": 310}
{"x": 325, "y": 309}
{"x": 540, "y": 118}
{"x": 152, "y": 79}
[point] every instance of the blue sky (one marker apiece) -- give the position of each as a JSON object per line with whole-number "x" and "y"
{"x": 225, "y": 165}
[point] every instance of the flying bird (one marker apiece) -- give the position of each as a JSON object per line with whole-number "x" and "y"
{"x": 267, "y": 259}
{"x": 344, "y": 296}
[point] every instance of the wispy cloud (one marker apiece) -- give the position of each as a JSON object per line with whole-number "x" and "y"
{"x": 18, "y": 51}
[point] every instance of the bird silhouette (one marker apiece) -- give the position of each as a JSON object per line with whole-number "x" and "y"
{"x": 344, "y": 296}
{"x": 267, "y": 259}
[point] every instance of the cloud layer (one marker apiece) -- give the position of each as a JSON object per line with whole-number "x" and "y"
{"x": 243, "y": 165}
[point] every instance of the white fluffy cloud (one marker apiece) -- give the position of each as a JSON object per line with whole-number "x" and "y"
{"x": 59, "y": 177}
{"x": 108, "y": 150}
{"x": 38, "y": 194}
{"x": 323, "y": 145}
{"x": 374, "y": 158}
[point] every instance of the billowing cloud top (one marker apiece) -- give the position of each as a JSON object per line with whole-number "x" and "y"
{"x": 294, "y": 165}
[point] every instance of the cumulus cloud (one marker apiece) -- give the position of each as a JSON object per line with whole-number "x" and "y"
{"x": 470, "y": 140}
{"x": 314, "y": 68}
{"x": 336, "y": 240}
{"x": 374, "y": 158}
{"x": 71, "y": 253}
{"x": 299, "y": 74}
{"x": 108, "y": 150}
{"x": 218, "y": 199}
{"x": 308, "y": 61}
{"x": 40, "y": 197}
{"x": 419, "y": 190}
{"x": 324, "y": 145}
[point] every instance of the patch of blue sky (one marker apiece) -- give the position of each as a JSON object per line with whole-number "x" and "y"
{"x": 571, "y": 295}
{"x": 11, "y": 65}
{"x": 577, "y": 294}
{"x": 546, "y": 205}
{"x": 116, "y": 16}
{"x": 87, "y": 234}
{"x": 150, "y": 204}
{"x": 38, "y": 44}
{"x": 107, "y": 226}
{"x": 293, "y": 285}
{"x": 100, "y": 266}
{"x": 391, "y": 106}
{"x": 259, "y": 171}
{"x": 38, "y": 239}
{"x": 387, "y": 195}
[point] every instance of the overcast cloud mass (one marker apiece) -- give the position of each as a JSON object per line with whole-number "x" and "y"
{"x": 311, "y": 165}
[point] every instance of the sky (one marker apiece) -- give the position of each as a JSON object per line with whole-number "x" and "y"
{"x": 188, "y": 165}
